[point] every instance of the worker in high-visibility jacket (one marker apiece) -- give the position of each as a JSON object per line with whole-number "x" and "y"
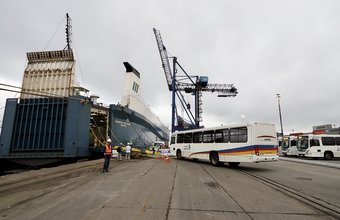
{"x": 107, "y": 155}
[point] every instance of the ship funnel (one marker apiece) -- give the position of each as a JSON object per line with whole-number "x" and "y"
{"x": 94, "y": 99}
{"x": 131, "y": 89}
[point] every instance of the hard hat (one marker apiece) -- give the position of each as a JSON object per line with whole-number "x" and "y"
{"x": 108, "y": 140}
{"x": 120, "y": 144}
{"x": 128, "y": 143}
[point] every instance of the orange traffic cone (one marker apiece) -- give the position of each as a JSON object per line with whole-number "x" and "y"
{"x": 157, "y": 157}
{"x": 167, "y": 158}
{"x": 162, "y": 156}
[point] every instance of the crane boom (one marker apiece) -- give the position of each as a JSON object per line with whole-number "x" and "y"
{"x": 227, "y": 89}
{"x": 164, "y": 58}
{"x": 185, "y": 83}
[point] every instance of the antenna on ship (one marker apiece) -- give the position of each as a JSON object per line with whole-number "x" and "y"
{"x": 68, "y": 31}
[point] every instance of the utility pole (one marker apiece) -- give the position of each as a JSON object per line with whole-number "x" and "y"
{"x": 278, "y": 99}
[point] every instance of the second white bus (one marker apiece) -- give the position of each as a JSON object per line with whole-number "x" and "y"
{"x": 248, "y": 142}
{"x": 319, "y": 146}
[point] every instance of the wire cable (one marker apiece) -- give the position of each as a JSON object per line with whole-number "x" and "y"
{"x": 75, "y": 47}
{"x": 54, "y": 33}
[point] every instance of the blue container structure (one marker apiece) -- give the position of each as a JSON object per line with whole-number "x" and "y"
{"x": 43, "y": 130}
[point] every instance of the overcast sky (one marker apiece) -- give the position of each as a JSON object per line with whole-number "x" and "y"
{"x": 263, "y": 47}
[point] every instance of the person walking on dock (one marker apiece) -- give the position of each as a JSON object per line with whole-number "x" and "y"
{"x": 119, "y": 151}
{"x": 107, "y": 155}
{"x": 128, "y": 152}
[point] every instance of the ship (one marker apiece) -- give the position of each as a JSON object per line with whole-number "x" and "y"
{"x": 56, "y": 119}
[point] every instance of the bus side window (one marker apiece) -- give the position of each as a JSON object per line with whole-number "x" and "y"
{"x": 197, "y": 137}
{"x": 222, "y": 136}
{"x": 293, "y": 142}
{"x": 188, "y": 138}
{"x": 328, "y": 141}
{"x": 337, "y": 141}
{"x": 208, "y": 136}
{"x": 180, "y": 138}
{"x": 238, "y": 135}
{"x": 314, "y": 142}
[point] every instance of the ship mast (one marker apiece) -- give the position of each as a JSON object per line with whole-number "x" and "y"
{"x": 68, "y": 31}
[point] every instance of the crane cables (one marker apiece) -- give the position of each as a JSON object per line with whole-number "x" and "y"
{"x": 98, "y": 128}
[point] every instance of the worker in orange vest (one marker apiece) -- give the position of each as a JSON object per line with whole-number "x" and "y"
{"x": 107, "y": 155}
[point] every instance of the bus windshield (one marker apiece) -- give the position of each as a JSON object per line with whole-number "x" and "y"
{"x": 302, "y": 144}
{"x": 285, "y": 144}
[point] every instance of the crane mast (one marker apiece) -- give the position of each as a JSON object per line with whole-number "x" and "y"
{"x": 194, "y": 85}
{"x": 68, "y": 31}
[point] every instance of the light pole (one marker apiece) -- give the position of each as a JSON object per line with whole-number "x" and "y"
{"x": 278, "y": 99}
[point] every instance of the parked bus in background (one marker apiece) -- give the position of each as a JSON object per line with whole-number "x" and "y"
{"x": 279, "y": 142}
{"x": 292, "y": 150}
{"x": 319, "y": 146}
{"x": 285, "y": 145}
{"x": 247, "y": 142}
{"x": 288, "y": 146}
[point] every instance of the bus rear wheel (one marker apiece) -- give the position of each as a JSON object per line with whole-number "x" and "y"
{"x": 215, "y": 160}
{"x": 328, "y": 156}
{"x": 179, "y": 155}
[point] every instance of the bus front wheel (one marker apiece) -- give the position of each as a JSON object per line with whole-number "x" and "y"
{"x": 328, "y": 156}
{"x": 215, "y": 160}
{"x": 179, "y": 154}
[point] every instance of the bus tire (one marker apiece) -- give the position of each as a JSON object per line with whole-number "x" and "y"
{"x": 214, "y": 159}
{"x": 233, "y": 164}
{"x": 179, "y": 155}
{"x": 328, "y": 155}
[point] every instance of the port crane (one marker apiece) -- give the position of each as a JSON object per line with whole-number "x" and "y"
{"x": 189, "y": 84}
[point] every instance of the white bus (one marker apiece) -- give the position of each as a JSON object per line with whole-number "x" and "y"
{"x": 285, "y": 145}
{"x": 248, "y": 142}
{"x": 279, "y": 142}
{"x": 288, "y": 146}
{"x": 318, "y": 146}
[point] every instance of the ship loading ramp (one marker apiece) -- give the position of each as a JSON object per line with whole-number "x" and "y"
{"x": 98, "y": 125}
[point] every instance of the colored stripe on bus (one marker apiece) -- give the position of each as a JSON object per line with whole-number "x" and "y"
{"x": 248, "y": 150}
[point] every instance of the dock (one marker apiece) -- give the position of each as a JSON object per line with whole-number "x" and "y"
{"x": 146, "y": 189}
